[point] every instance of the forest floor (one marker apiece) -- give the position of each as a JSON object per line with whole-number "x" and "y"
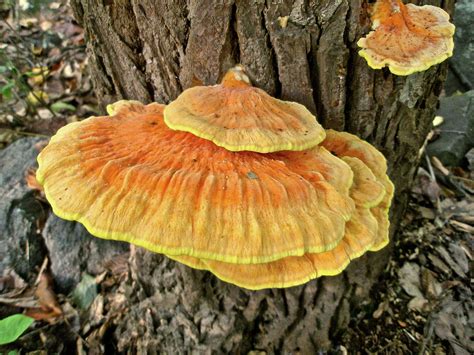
{"x": 422, "y": 304}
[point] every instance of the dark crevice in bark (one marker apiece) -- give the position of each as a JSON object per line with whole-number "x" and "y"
{"x": 314, "y": 77}
{"x": 230, "y": 55}
{"x": 138, "y": 49}
{"x": 274, "y": 61}
{"x": 251, "y": 331}
{"x": 335, "y": 329}
{"x": 233, "y": 37}
{"x": 277, "y": 84}
{"x": 316, "y": 294}
{"x": 124, "y": 25}
{"x": 78, "y": 11}
{"x": 103, "y": 70}
{"x": 148, "y": 85}
{"x": 299, "y": 315}
{"x": 187, "y": 26}
{"x": 142, "y": 9}
{"x": 350, "y": 70}
{"x": 285, "y": 303}
{"x": 142, "y": 63}
{"x": 331, "y": 56}
{"x": 230, "y": 48}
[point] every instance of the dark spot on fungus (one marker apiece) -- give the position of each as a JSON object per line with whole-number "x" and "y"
{"x": 252, "y": 175}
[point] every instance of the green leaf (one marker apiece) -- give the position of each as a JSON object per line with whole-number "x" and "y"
{"x": 6, "y": 90}
{"x": 12, "y": 327}
{"x": 62, "y": 106}
{"x": 13, "y": 69}
{"x": 85, "y": 292}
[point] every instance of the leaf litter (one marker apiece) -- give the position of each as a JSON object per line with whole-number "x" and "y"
{"x": 424, "y": 302}
{"x": 43, "y": 78}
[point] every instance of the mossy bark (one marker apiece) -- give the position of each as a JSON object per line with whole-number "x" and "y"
{"x": 151, "y": 50}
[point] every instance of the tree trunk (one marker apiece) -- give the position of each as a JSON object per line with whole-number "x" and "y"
{"x": 151, "y": 50}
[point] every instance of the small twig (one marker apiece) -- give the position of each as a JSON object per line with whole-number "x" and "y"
{"x": 410, "y": 336}
{"x": 29, "y": 134}
{"x": 430, "y": 168}
{"x": 465, "y": 183}
{"x": 24, "y": 302}
{"x": 463, "y": 226}
{"x": 43, "y": 267}
{"x": 65, "y": 54}
{"x": 447, "y": 178}
{"x": 433, "y": 179}
{"x": 438, "y": 165}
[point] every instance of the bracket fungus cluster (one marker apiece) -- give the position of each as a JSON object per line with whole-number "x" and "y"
{"x": 225, "y": 178}
{"x": 407, "y": 38}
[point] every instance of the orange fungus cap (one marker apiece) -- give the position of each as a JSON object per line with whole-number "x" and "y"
{"x": 407, "y": 38}
{"x": 237, "y": 116}
{"x": 360, "y": 233}
{"x": 344, "y": 144}
{"x": 129, "y": 177}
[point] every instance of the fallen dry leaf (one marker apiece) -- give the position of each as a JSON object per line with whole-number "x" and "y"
{"x": 49, "y": 305}
{"x": 431, "y": 288}
{"x": 429, "y": 188}
{"x": 419, "y": 304}
{"x": 445, "y": 255}
{"x": 31, "y": 181}
{"x": 409, "y": 277}
{"x": 463, "y": 227}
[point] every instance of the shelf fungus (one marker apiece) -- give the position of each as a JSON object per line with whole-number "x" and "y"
{"x": 225, "y": 178}
{"x": 237, "y": 116}
{"x": 407, "y": 38}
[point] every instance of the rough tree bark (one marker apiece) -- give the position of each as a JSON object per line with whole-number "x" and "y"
{"x": 152, "y": 50}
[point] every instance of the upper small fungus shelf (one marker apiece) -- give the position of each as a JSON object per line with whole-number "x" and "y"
{"x": 237, "y": 116}
{"x": 407, "y": 38}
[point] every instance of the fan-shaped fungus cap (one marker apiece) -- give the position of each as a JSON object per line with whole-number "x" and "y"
{"x": 407, "y": 38}
{"x": 239, "y": 117}
{"x": 344, "y": 144}
{"x": 129, "y": 177}
{"x": 360, "y": 233}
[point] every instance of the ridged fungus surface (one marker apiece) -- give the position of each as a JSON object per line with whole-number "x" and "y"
{"x": 237, "y": 116}
{"x": 407, "y": 38}
{"x": 129, "y": 177}
{"x": 360, "y": 233}
{"x": 348, "y": 145}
